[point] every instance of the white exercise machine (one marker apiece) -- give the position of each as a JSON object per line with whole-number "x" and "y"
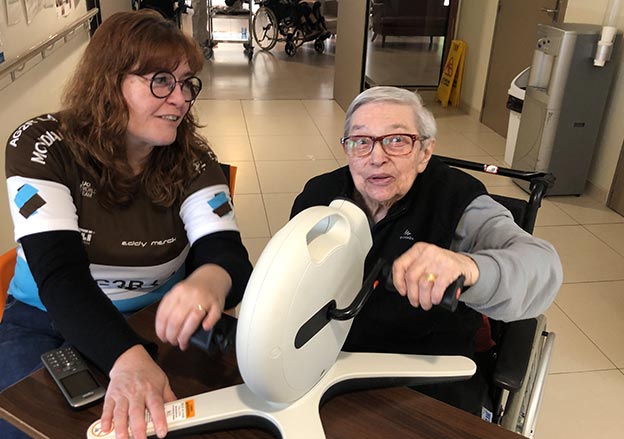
{"x": 294, "y": 319}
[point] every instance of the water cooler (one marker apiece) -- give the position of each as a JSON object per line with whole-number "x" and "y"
{"x": 564, "y": 105}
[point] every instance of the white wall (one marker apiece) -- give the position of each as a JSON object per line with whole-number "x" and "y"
{"x": 349, "y": 52}
{"x": 476, "y": 27}
{"x": 38, "y": 89}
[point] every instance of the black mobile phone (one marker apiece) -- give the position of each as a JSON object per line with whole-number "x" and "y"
{"x": 73, "y": 377}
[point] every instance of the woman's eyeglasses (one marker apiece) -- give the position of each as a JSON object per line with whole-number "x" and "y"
{"x": 392, "y": 144}
{"x": 163, "y": 83}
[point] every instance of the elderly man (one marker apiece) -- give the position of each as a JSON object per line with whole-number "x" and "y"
{"x": 435, "y": 223}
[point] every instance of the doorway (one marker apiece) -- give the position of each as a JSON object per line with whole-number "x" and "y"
{"x": 407, "y": 41}
{"x": 512, "y": 52}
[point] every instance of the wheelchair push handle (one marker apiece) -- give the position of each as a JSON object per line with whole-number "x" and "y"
{"x": 450, "y": 299}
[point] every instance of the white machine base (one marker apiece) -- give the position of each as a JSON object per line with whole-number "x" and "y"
{"x": 301, "y": 419}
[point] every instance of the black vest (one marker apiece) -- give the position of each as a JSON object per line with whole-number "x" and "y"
{"x": 429, "y": 212}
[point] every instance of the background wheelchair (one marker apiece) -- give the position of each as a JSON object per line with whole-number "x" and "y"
{"x": 518, "y": 360}
{"x": 289, "y": 21}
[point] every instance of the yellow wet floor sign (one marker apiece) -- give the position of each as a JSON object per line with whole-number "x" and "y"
{"x": 450, "y": 83}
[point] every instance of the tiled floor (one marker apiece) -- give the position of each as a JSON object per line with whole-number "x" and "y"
{"x": 279, "y": 144}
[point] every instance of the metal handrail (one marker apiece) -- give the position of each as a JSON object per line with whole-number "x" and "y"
{"x": 17, "y": 64}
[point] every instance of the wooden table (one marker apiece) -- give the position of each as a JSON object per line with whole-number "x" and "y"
{"x": 36, "y": 406}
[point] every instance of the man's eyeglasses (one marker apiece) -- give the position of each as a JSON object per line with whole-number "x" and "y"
{"x": 162, "y": 85}
{"x": 392, "y": 144}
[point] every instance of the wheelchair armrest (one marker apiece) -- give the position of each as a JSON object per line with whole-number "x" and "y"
{"x": 514, "y": 354}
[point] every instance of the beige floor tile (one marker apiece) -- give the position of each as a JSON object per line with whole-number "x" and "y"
{"x": 335, "y": 147}
{"x": 270, "y": 125}
{"x": 251, "y": 216}
{"x": 597, "y": 309}
{"x": 584, "y": 257}
{"x": 573, "y": 350}
{"x": 501, "y": 186}
{"x": 611, "y": 234}
{"x": 453, "y": 144}
{"x": 220, "y": 118}
{"x": 489, "y": 141}
{"x": 323, "y": 107}
{"x": 278, "y": 208}
{"x": 283, "y": 107}
{"x": 312, "y": 147}
{"x": 500, "y": 158}
{"x": 223, "y": 125}
{"x": 581, "y": 406}
{"x": 460, "y": 122}
{"x": 494, "y": 183}
{"x": 246, "y": 178}
{"x": 254, "y": 247}
{"x": 549, "y": 214}
{"x": 586, "y": 210}
{"x": 269, "y": 75}
{"x": 231, "y": 148}
{"x": 331, "y": 128}
{"x": 279, "y": 177}
{"x": 207, "y": 109}
{"x": 342, "y": 160}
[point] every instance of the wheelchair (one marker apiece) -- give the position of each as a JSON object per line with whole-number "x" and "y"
{"x": 518, "y": 361}
{"x": 289, "y": 21}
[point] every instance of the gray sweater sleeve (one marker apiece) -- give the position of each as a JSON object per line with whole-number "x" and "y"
{"x": 519, "y": 274}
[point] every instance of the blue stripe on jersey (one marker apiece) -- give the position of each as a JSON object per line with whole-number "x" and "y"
{"x": 218, "y": 200}
{"x": 24, "y": 288}
{"x": 24, "y": 194}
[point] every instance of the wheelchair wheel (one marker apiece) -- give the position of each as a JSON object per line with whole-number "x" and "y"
{"x": 290, "y": 48}
{"x": 264, "y": 28}
{"x": 319, "y": 46}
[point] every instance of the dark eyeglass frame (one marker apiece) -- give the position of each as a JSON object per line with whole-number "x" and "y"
{"x": 184, "y": 84}
{"x": 374, "y": 139}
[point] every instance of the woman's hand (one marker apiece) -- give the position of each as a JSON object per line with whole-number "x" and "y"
{"x": 199, "y": 299}
{"x": 136, "y": 384}
{"x": 424, "y": 271}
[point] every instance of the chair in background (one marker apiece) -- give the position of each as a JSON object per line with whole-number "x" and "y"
{"x": 329, "y": 9}
{"x": 409, "y": 18}
{"x": 517, "y": 353}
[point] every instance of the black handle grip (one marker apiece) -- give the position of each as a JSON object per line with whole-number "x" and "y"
{"x": 450, "y": 299}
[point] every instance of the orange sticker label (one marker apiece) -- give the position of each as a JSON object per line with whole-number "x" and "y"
{"x": 190, "y": 408}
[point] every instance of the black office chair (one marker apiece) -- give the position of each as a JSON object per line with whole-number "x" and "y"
{"x": 519, "y": 360}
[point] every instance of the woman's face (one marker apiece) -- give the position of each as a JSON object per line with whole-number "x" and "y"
{"x": 382, "y": 179}
{"x": 153, "y": 121}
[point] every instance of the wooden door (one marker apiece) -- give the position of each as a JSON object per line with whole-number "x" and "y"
{"x": 512, "y": 52}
